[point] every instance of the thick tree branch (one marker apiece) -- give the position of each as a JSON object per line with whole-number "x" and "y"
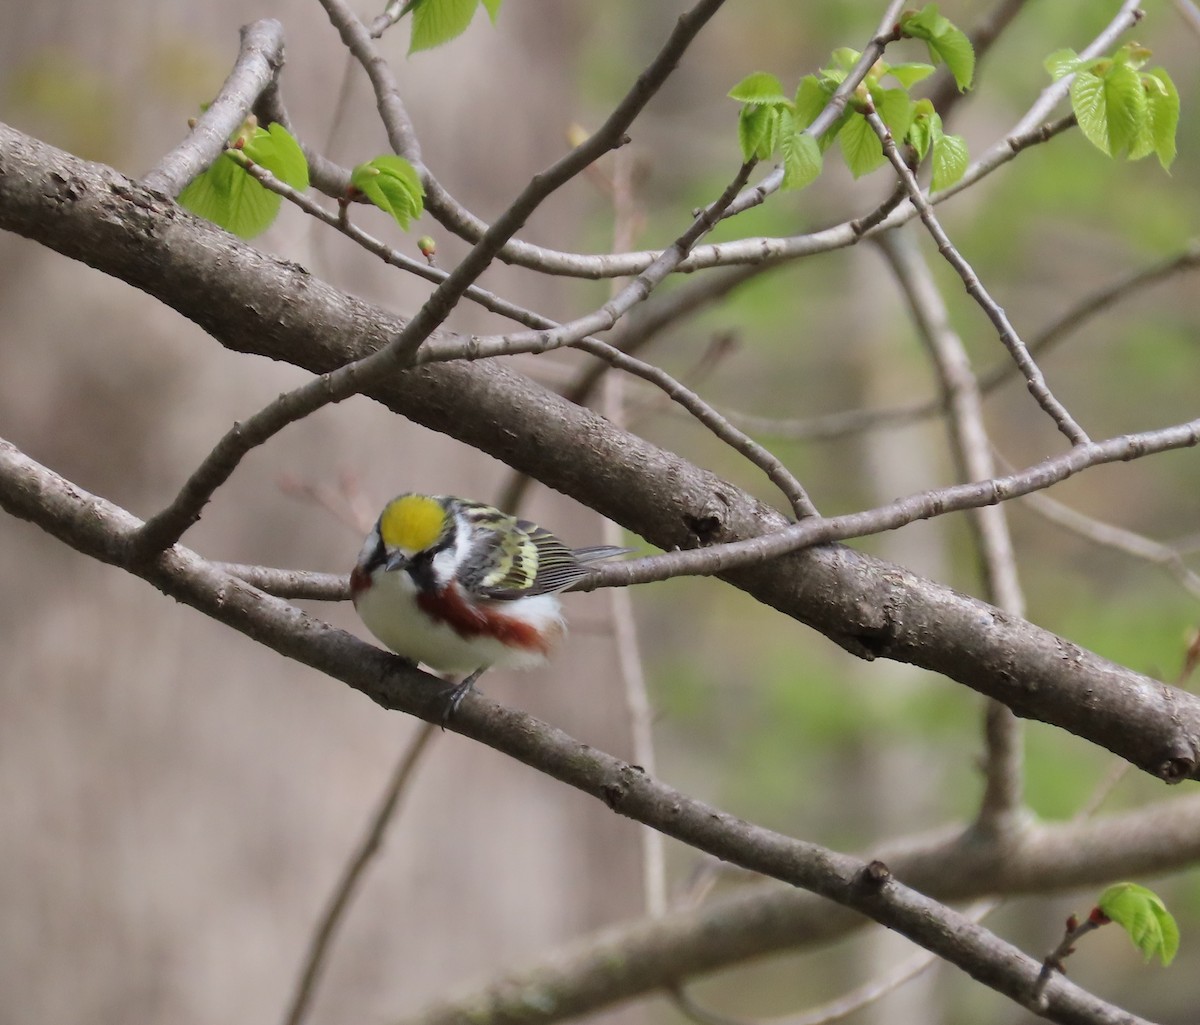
{"x": 277, "y": 309}
{"x": 636, "y": 958}
{"x": 101, "y": 530}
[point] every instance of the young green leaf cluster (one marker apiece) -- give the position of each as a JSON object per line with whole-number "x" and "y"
{"x": 438, "y": 21}
{"x": 1142, "y": 914}
{"x": 771, "y": 121}
{"x": 947, "y": 43}
{"x": 228, "y": 196}
{"x": 393, "y": 185}
{"x": 1119, "y": 107}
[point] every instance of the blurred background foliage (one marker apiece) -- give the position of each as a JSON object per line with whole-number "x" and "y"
{"x": 179, "y": 802}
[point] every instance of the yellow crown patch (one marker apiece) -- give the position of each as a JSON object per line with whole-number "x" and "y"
{"x": 412, "y": 522}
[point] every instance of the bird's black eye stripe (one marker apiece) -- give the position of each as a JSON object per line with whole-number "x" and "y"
{"x": 420, "y": 568}
{"x": 377, "y": 557}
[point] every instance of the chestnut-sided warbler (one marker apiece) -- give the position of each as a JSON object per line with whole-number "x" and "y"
{"x": 462, "y": 587}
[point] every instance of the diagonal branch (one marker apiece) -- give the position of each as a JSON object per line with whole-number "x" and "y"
{"x": 101, "y": 530}
{"x": 606, "y": 317}
{"x": 850, "y": 421}
{"x": 1035, "y": 381}
{"x": 633, "y": 959}
{"x": 353, "y": 874}
{"x": 259, "y": 61}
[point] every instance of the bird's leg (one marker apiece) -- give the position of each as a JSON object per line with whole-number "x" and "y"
{"x": 456, "y": 696}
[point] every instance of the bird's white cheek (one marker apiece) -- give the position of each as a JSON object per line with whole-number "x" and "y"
{"x": 444, "y": 566}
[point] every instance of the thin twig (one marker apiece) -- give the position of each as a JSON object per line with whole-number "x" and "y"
{"x": 868, "y": 993}
{"x": 352, "y": 875}
{"x": 763, "y": 458}
{"x": 1034, "y": 379}
{"x": 576, "y": 334}
{"x": 886, "y": 33}
{"x": 603, "y": 319}
{"x": 1190, "y": 13}
{"x": 259, "y": 60}
{"x": 1117, "y": 538}
{"x": 854, "y": 421}
{"x": 626, "y": 217}
{"x": 721, "y": 558}
{"x": 1001, "y": 804}
{"x": 1074, "y": 931}
{"x": 1095, "y": 303}
{"x": 643, "y": 327}
{"x": 324, "y": 175}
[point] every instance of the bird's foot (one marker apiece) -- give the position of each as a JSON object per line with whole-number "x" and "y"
{"x": 455, "y": 697}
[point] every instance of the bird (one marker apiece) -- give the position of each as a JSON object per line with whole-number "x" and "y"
{"x": 462, "y": 587}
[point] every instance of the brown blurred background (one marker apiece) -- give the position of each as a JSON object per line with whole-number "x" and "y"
{"x": 175, "y": 802}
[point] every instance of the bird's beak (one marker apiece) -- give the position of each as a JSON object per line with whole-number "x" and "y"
{"x": 395, "y": 561}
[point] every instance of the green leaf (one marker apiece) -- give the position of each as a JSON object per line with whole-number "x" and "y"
{"x": 1087, "y": 101}
{"x": 801, "y": 159}
{"x": 925, "y": 129}
{"x": 860, "y": 146}
{"x": 910, "y": 74}
{"x": 811, "y": 97}
{"x": 393, "y": 185}
{"x": 1119, "y": 108}
{"x": 1062, "y": 63}
{"x": 1142, "y": 914}
{"x": 759, "y": 87}
{"x": 1125, "y": 107}
{"x": 438, "y": 21}
{"x": 949, "y": 159}
{"x": 226, "y": 195}
{"x": 922, "y": 24}
{"x": 844, "y": 58}
{"x": 758, "y": 131}
{"x": 229, "y": 197}
{"x": 493, "y": 9}
{"x": 946, "y": 42}
{"x": 895, "y": 108}
{"x": 1132, "y": 55}
{"x": 1162, "y": 112}
{"x": 278, "y": 151}
{"x": 953, "y": 47}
